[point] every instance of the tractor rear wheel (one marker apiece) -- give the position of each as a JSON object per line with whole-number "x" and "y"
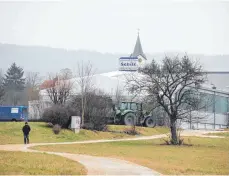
{"x": 150, "y": 122}
{"x": 129, "y": 119}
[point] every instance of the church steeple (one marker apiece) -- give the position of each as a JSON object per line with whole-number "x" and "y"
{"x": 138, "y": 49}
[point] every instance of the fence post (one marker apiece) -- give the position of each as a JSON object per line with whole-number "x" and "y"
{"x": 214, "y": 109}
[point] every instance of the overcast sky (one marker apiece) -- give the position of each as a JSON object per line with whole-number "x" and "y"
{"x": 111, "y": 26}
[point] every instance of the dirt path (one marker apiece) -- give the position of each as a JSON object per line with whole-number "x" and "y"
{"x": 104, "y": 165}
{"x": 94, "y": 165}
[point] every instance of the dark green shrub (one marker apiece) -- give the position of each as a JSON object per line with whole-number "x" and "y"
{"x": 56, "y": 114}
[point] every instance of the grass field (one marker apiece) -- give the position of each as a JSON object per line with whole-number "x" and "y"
{"x": 142, "y": 130}
{"x": 206, "y": 156}
{"x": 20, "y": 163}
{"x": 11, "y": 133}
{"x": 223, "y": 134}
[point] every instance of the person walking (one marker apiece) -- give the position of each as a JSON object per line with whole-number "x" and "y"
{"x": 26, "y": 129}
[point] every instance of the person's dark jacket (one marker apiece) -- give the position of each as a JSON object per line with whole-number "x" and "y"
{"x": 26, "y": 129}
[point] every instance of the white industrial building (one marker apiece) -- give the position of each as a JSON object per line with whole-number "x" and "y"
{"x": 216, "y": 115}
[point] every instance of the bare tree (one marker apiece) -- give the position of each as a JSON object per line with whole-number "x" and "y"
{"x": 118, "y": 97}
{"x": 85, "y": 74}
{"x": 33, "y": 80}
{"x": 174, "y": 86}
{"x": 59, "y": 90}
{"x": 66, "y": 74}
{"x": 37, "y": 107}
{"x": 151, "y": 107}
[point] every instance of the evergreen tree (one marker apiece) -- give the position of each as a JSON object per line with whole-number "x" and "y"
{"x": 2, "y": 92}
{"x": 14, "y": 78}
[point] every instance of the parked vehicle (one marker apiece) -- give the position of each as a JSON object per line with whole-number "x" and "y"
{"x": 129, "y": 113}
{"x": 13, "y": 113}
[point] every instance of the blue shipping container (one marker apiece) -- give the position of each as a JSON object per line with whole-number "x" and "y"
{"x": 13, "y": 113}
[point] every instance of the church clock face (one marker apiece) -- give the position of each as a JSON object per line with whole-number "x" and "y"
{"x": 140, "y": 60}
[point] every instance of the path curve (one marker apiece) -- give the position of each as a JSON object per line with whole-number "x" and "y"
{"x": 94, "y": 165}
{"x": 104, "y": 165}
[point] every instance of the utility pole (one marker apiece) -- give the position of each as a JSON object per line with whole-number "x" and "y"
{"x": 214, "y": 87}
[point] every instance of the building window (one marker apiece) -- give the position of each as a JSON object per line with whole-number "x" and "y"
{"x": 206, "y": 103}
{"x": 221, "y": 104}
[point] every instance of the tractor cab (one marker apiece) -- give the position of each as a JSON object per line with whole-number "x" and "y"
{"x": 130, "y": 106}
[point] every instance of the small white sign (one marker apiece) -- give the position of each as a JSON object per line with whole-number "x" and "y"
{"x": 14, "y": 110}
{"x": 75, "y": 123}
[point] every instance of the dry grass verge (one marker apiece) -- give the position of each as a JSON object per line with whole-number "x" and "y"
{"x": 20, "y": 163}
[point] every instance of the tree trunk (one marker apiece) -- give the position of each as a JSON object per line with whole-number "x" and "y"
{"x": 173, "y": 132}
{"x": 82, "y": 113}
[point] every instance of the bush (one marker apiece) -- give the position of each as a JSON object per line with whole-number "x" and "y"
{"x": 97, "y": 109}
{"x": 170, "y": 141}
{"x": 56, "y": 129}
{"x": 131, "y": 131}
{"x": 56, "y": 114}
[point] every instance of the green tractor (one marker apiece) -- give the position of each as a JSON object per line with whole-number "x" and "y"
{"x": 131, "y": 113}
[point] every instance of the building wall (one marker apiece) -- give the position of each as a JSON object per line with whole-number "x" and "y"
{"x": 219, "y": 79}
{"x": 215, "y": 113}
{"x": 206, "y": 121}
{"x": 36, "y": 109}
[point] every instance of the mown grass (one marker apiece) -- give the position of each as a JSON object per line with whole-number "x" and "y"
{"x": 205, "y": 156}
{"x": 11, "y": 133}
{"x": 20, "y": 163}
{"x": 141, "y": 130}
{"x": 223, "y": 134}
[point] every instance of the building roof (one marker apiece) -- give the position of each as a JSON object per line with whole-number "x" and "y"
{"x": 47, "y": 84}
{"x": 138, "y": 49}
{"x": 110, "y": 82}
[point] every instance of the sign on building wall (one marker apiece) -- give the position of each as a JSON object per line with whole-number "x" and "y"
{"x": 130, "y": 63}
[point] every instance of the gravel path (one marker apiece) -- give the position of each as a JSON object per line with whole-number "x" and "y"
{"x": 104, "y": 165}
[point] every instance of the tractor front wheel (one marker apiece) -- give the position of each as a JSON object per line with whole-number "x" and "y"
{"x": 150, "y": 122}
{"x": 129, "y": 119}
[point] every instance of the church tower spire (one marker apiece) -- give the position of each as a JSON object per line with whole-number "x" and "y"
{"x": 138, "y": 49}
